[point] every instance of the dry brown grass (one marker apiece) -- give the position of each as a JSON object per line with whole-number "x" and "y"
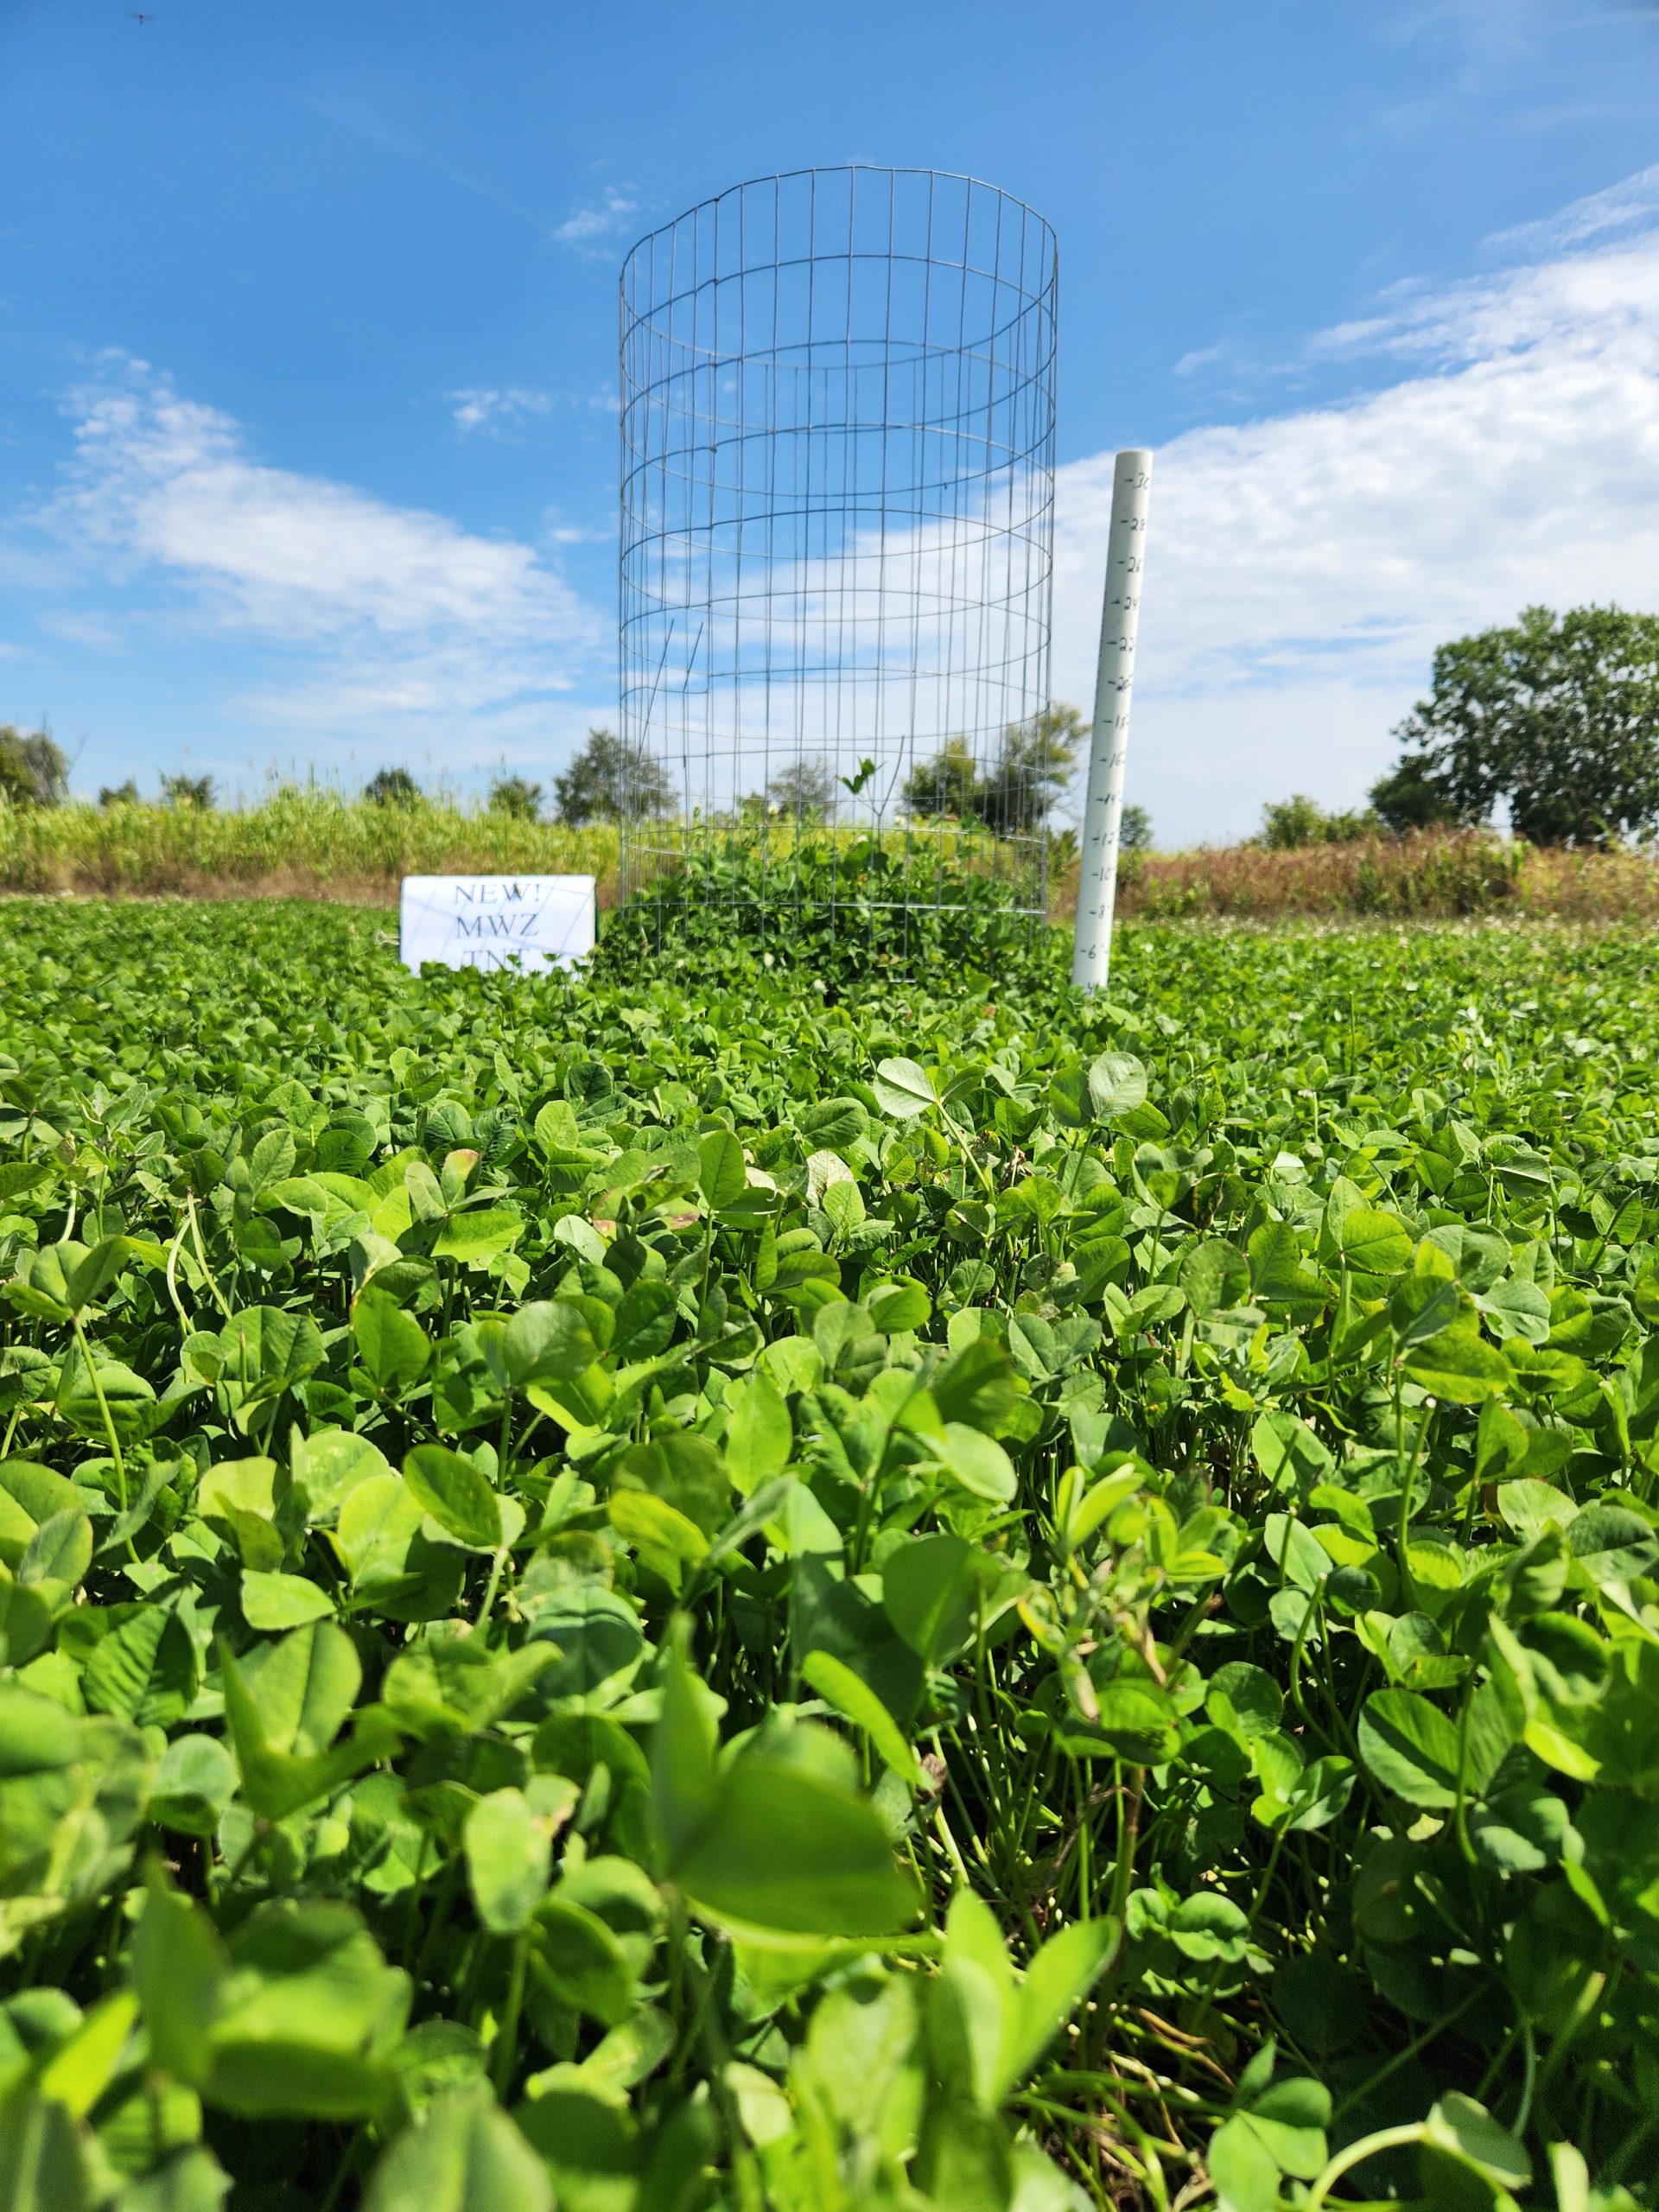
{"x": 1433, "y": 876}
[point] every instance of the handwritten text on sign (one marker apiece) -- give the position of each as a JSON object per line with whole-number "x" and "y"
{"x": 496, "y": 921}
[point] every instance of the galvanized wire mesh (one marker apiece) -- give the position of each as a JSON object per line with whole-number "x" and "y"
{"x": 837, "y": 546}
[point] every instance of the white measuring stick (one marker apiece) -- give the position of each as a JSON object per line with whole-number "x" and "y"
{"x": 1108, "y": 742}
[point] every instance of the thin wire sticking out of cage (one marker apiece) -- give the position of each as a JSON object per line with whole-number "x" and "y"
{"x": 837, "y": 551}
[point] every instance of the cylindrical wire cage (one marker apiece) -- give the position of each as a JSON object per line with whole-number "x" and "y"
{"x": 836, "y": 549}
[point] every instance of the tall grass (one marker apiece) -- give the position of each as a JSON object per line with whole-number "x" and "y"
{"x": 1433, "y": 875}
{"x": 1426, "y": 876}
{"x": 317, "y": 844}
{"x": 1590, "y": 886}
{"x": 295, "y": 843}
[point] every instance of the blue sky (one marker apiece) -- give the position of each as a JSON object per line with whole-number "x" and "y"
{"x": 308, "y": 337}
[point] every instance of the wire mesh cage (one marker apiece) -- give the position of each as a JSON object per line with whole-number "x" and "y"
{"x": 836, "y": 547}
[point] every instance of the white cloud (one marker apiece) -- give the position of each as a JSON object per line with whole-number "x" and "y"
{"x": 500, "y": 411}
{"x": 1635, "y": 203}
{"x": 484, "y": 408}
{"x": 601, "y": 221}
{"x": 1300, "y": 569}
{"x": 382, "y": 615}
{"x": 1202, "y": 357}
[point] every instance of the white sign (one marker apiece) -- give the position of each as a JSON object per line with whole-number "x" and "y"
{"x": 496, "y": 921}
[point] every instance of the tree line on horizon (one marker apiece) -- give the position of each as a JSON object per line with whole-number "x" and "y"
{"x": 614, "y": 780}
{"x": 1554, "y": 718}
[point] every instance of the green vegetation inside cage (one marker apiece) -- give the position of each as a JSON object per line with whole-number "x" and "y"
{"x": 841, "y": 911}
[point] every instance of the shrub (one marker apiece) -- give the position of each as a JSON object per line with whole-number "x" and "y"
{"x": 516, "y": 796}
{"x": 1289, "y": 824}
{"x": 392, "y": 787}
{"x": 34, "y": 770}
{"x": 195, "y": 791}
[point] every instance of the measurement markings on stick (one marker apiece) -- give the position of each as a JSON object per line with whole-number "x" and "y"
{"x": 1103, "y": 815}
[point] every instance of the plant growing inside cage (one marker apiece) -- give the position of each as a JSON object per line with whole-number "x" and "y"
{"x": 837, "y": 546}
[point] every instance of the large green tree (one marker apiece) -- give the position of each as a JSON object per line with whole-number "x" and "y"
{"x": 1556, "y": 715}
{"x": 1013, "y": 792}
{"x": 803, "y": 789}
{"x": 610, "y": 779}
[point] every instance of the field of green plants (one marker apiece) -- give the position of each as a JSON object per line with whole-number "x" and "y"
{"x": 677, "y": 1592}
{"x": 294, "y": 842}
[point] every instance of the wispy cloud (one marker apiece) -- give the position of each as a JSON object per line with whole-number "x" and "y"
{"x": 602, "y": 221}
{"x": 374, "y": 615}
{"x": 1478, "y": 50}
{"x": 482, "y": 407}
{"x": 500, "y": 411}
{"x": 1202, "y": 357}
{"x": 1301, "y": 568}
{"x": 1633, "y": 205}
{"x": 367, "y": 122}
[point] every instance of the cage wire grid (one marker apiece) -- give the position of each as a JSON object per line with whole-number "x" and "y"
{"x": 837, "y": 498}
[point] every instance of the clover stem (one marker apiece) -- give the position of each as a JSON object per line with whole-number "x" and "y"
{"x": 978, "y": 1165}
{"x": 1460, "y": 1810}
{"x": 1296, "y": 1649}
{"x": 411, "y": 1917}
{"x": 1402, "y": 1535}
{"x": 109, "y": 1426}
{"x": 343, "y": 2171}
{"x": 506, "y": 2036}
{"x": 1529, "y": 2079}
{"x": 1584, "y": 2005}
{"x": 172, "y": 1279}
{"x": 1259, "y": 1899}
{"x": 1128, "y": 1831}
{"x": 711, "y": 2039}
{"x": 496, "y": 1564}
{"x": 201, "y": 1255}
{"x": 950, "y": 1842}
{"x": 1385, "y": 2138}
{"x": 1408, "y": 2051}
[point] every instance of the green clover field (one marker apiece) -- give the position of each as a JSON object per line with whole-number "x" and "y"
{"x": 722, "y": 1588}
